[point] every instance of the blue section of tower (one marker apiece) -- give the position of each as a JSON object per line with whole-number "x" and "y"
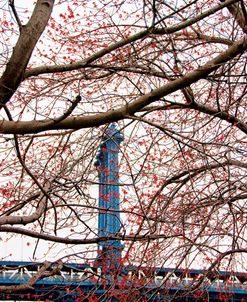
{"x": 108, "y": 172}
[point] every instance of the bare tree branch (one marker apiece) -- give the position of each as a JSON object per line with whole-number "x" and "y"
{"x": 12, "y": 5}
{"x": 29, "y": 35}
{"x": 99, "y": 119}
{"x": 152, "y": 31}
{"x": 48, "y": 269}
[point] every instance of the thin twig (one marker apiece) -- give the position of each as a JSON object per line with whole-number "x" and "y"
{"x": 12, "y": 5}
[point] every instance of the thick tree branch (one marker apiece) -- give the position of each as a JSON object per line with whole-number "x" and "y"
{"x": 29, "y": 36}
{"x": 24, "y": 127}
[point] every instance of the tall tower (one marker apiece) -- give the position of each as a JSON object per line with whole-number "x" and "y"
{"x": 108, "y": 172}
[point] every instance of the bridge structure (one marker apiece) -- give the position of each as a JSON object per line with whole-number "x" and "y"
{"x": 106, "y": 279}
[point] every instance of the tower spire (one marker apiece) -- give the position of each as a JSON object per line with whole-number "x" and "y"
{"x": 108, "y": 172}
